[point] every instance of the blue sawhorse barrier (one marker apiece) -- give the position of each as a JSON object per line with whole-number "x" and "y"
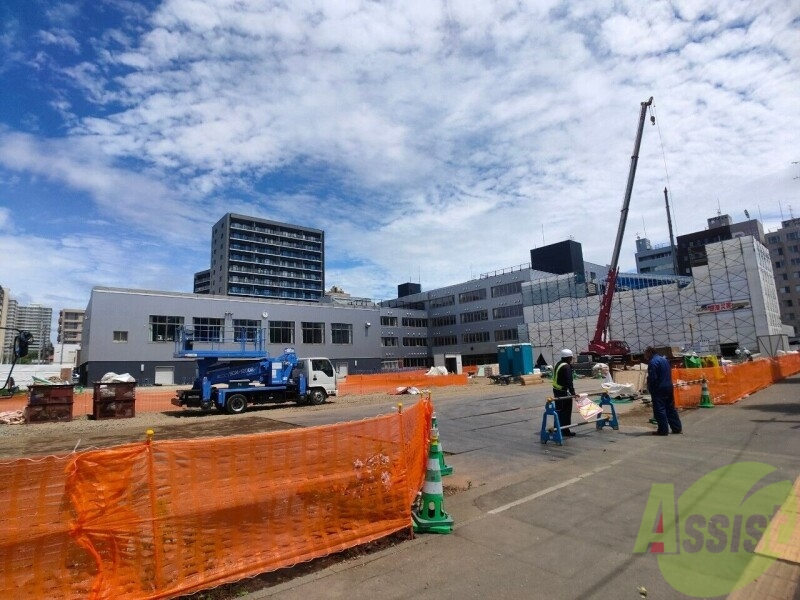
{"x": 554, "y": 432}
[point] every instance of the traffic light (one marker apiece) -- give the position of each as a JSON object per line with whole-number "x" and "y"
{"x": 21, "y": 342}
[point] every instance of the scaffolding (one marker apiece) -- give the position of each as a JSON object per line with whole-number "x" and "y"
{"x": 730, "y": 302}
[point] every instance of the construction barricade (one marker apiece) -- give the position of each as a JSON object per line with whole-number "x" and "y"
{"x": 728, "y": 384}
{"x": 160, "y": 519}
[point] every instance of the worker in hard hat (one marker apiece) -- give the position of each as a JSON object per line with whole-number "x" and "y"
{"x": 564, "y": 390}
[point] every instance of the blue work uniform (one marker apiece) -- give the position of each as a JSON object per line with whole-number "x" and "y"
{"x": 659, "y": 384}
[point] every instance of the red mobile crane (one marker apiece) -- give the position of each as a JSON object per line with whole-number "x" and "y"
{"x": 600, "y": 347}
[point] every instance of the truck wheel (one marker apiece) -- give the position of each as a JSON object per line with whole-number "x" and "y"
{"x": 316, "y": 396}
{"x": 236, "y": 404}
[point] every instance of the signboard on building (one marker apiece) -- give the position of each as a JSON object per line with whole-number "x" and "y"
{"x": 714, "y": 307}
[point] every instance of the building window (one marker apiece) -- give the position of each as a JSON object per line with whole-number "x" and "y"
{"x": 443, "y": 321}
{"x": 388, "y": 342}
{"x": 472, "y": 296}
{"x": 789, "y": 303}
{"x": 341, "y": 333}
{"x": 407, "y": 341}
{"x": 389, "y": 321}
{"x": 443, "y": 301}
{"x": 207, "y": 329}
{"x": 778, "y": 264}
{"x": 121, "y": 337}
{"x": 414, "y": 322}
{"x": 245, "y": 330}
{"x": 163, "y": 328}
{"x": 506, "y": 335}
{"x": 313, "y": 333}
{"x": 474, "y": 317}
{"x": 475, "y": 338}
{"x": 281, "y": 332}
{"x": 507, "y": 289}
{"x": 780, "y": 251}
{"x": 784, "y": 290}
{"x": 445, "y": 340}
{"x": 774, "y": 239}
{"x": 505, "y": 312}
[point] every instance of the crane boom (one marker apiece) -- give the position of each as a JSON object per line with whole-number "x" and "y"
{"x": 599, "y": 346}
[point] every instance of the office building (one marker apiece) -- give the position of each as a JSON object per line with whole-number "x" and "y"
{"x": 691, "y": 247}
{"x": 658, "y": 260}
{"x": 259, "y": 258}
{"x": 784, "y": 251}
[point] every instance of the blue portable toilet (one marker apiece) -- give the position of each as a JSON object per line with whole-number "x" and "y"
{"x": 505, "y": 354}
{"x": 522, "y": 359}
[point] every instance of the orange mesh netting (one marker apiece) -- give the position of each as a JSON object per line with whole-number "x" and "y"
{"x": 165, "y": 518}
{"x": 731, "y": 383}
{"x": 158, "y": 399}
{"x": 389, "y": 382}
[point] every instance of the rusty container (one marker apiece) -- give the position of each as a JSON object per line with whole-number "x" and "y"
{"x": 116, "y": 400}
{"x": 49, "y": 403}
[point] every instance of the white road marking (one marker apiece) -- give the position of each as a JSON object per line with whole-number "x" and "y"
{"x": 552, "y": 488}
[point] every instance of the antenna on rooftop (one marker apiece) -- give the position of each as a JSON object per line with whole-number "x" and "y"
{"x": 746, "y": 214}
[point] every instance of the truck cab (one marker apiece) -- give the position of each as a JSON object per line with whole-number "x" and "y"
{"x": 319, "y": 376}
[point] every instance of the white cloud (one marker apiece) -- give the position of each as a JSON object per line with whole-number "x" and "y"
{"x": 442, "y": 140}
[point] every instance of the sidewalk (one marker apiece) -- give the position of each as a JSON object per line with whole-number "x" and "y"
{"x": 565, "y": 527}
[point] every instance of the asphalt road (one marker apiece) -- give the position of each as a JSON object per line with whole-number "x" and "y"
{"x": 548, "y": 521}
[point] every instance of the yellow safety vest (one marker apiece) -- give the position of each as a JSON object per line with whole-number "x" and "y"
{"x": 556, "y": 386}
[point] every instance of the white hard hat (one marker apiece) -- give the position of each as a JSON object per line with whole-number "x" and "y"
{"x": 566, "y": 353}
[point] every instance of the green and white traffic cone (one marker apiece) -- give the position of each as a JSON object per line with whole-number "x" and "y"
{"x": 429, "y": 515}
{"x": 443, "y": 468}
{"x": 705, "y": 397}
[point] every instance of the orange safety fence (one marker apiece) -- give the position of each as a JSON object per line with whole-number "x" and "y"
{"x": 730, "y": 383}
{"x": 164, "y": 518}
{"x": 158, "y": 399}
{"x": 389, "y": 382}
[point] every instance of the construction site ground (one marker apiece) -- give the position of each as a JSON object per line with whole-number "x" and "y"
{"x": 532, "y": 520}
{"x": 38, "y": 439}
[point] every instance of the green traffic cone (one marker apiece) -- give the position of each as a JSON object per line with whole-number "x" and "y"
{"x": 429, "y": 515}
{"x": 705, "y": 397}
{"x": 443, "y": 468}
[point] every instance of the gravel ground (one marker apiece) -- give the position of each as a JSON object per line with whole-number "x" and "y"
{"x": 82, "y": 433}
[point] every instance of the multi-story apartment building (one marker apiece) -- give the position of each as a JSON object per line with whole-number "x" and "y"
{"x": 658, "y": 260}
{"x": 202, "y": 282}
{"x": 70, "y": 325}
{"x": 784, "y": 251}
{"x": 259, "y": 258}
{"x": 34, "y": 318}
{"x": 3, "y": 320}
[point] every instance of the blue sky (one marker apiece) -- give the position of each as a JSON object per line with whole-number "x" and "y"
{"x": 432, "y": 141}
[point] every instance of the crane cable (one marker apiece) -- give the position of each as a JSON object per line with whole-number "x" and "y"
{"x": 664, "y": 157}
